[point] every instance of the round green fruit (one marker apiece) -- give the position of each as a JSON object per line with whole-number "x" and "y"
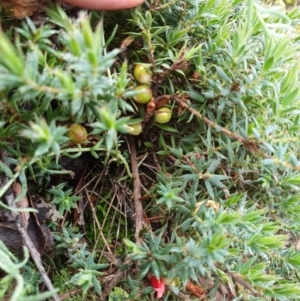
{"x": 135, "y": 129}
{"x": 142, "y": 74}
{"x": 144, "y": 94}
{"x": 77, "y": 133}
{"x": 162, "y": 115}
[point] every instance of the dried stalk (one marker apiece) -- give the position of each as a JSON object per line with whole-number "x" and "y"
{"x": 9, "y": 198}
{"x": 249, "y": 144}
{"x": 136, "y": 190}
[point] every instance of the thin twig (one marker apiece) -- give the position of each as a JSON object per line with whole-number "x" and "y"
{"x": 239, "y": 279}
{"x": 111, "y": 284}
{"x": 95, "y": 218}
{"x": 136, "y": 190}
{"x": 71, "y": 293}
{"x": 36, "y": 258}
{"x": 183, "y": 296}
{"x": 9, "y": 198}
{"x": 250, "y": 144}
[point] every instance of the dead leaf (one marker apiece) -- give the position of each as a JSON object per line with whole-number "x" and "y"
{"x": 22, "y": 8}
{"x": 23, "y": 203}
{"x": 206, "y": 283}
{"x": 33, "y": 223}
{"x": 150, "y": 109}
{"x": 195, "y": 289}
{"x": 126, "y": 42}
{"x": 211, "y": 204}
{"x": 181, "y": 108}
{"x": 45, "y": 210}
{"x": 161, "y": 101}
{"x": 10, "y": 236}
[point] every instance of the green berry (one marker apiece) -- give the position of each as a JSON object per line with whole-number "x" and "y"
{"x": 135, "y": 129}
{"x": 142, "y": 74}
{"x": 144, "y": 94}
{"x": 77, "y": 133}
{"x": 162, "y": 115}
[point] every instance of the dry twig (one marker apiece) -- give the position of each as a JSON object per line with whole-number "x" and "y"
{"x": 136, "y": 190}
{"x": 9, "y": 198}
{"x": 249, "y": 144}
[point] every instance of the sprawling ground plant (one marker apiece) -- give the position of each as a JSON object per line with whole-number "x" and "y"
{"x": 204, "y": 206}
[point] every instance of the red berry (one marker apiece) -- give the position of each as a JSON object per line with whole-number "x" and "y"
{"x": 158, "y": 285}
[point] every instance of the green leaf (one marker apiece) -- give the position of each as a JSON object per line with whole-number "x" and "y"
{"x": 166, "y": 128}
{"x": 12, "y": 60}
{"x": 223, "y": 75}
{"x": 290, "y": 98}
